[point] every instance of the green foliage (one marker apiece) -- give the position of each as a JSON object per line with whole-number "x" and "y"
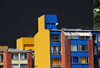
{"x": 96, "y": 21}
{"x": 96, "y": 4}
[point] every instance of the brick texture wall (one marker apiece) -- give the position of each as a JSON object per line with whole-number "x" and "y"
{"x": 65, "y": 45}
{"x": 29, "y": 60}
{"x": 90, "y": 48}
{"x": 7, "y": 59}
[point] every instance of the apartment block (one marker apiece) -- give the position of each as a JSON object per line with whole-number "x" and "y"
{"x": 1, "y": 58}
{"x": 16, "y": 58}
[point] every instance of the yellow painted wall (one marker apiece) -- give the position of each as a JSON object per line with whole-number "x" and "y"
{"x": 41, "y": 24}
{"x": 42, "y": 49}
{"x": 19, "y": 61}
{"x": 25, "y": 43}
{"x": 3, "y": 47}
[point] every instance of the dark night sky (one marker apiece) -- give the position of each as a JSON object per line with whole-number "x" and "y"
{"x": 18, "y": 18}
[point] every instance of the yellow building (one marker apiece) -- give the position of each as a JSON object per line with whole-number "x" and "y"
{"x": 3, "y": 47}
{"x": 43, "y": 58}
{"x": 25, "y": 43}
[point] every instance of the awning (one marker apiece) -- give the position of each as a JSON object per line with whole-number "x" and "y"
{"x": 84, "y": 33}
{"x": 73, "y": 33}
{"x": 67, "y": 34}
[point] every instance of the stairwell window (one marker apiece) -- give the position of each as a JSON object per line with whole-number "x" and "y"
{"x": 23, "y": 55}
{"x": 83, "y": 47}
{"x": 74, "y": 60}
{"x": 56, "y": 62}
{"x": 55, "y": 37}
{"x": 14, "y": 55}
{"x": 74, "y": 47}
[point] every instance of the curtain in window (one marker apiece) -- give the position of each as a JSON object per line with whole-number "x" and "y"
{"x": 22, "y": 56}
{"x": 57, "y": 49}
{"x": 14, "y": 66}
{"x": 83, "y": 60}
{"x": 73, "y": 47}
{"x": 14, "y": 56}
{"x": 75, "y": 59}
{"x": 23, "y": 66}
{"x": 52, "y": 48}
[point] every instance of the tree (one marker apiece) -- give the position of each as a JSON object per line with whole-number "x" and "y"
{"x": 97, "y": 22}
{"x": 96, "y": 3}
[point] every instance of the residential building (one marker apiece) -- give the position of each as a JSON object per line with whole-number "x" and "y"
{"x": 25, "y": 43}
{"x": 77, "y": 48}
{"x": 1, "y": 58}
{"x": 96, "y": 49}
{"x": 16, "y": 58}
{"x": 47, "y": 43}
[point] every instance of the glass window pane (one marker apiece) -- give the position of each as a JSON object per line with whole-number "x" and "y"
{"x": 84, "y": 60}
{"x": 74, "y": 47}
{"x": 23, "y": 66}
{"x": 98, "y": 50}
{"x": 14, "y": 55}
{"x": 75, "y": 59}
{"x": 23, "y": 55}
{"x": 98, "y": 38}
{"x": 15, "y": 66}
{"x": 95, "y": 50}
{"x": 83, "y": 47}
{"x": 99, "y": 62}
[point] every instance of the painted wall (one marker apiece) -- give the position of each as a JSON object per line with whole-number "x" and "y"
{"x": 42, "y": 49}
{"x": 25, "y": 43}
{"x": 41, "y": 23}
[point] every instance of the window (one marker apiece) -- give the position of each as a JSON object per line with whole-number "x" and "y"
{"x": 84, "y": 60}
{"x": 83, "y": 47}
{"x": 56, "y": 50}
{"x": 55, "y": 37}
{"x": 95, "y": 62}
{"x": 85, "y": 37}
{"x": 98, "y": 38}
{"x": 23, "y": 55}
{"x": 1, "y": 58}
{"x": 14, "y": 55}
{"x": 23, "y": 66}
{"x": 98, "y": 62}
{"x": 74, "y": 47}
{"x": 95, "y": 50}
{"x": 15, "y": 66}
{"x": 98, "y": 50}
{"x": 1, "y": 66}
{"x": 94, "y": 39}
{"x": 32, "y": 57}
{"x": 74, "y": 59}
{"x": 56, "y": 62}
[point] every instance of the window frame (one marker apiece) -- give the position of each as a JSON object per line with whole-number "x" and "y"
{"x": 12, "y": 56}
{"x": 25, "y": 55}
{"x": 77, "y": 48}
{"x": 14, "y": 64}
{"x": 57, "y": 53}
{"x": 96, "y": 50}
{"x": 23, "y": 64}
{"x": 85, "y": 47}
{"x": 87, "y": 59}
{"x": 58, "y": 40}
{"x": 72, "y": 60}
